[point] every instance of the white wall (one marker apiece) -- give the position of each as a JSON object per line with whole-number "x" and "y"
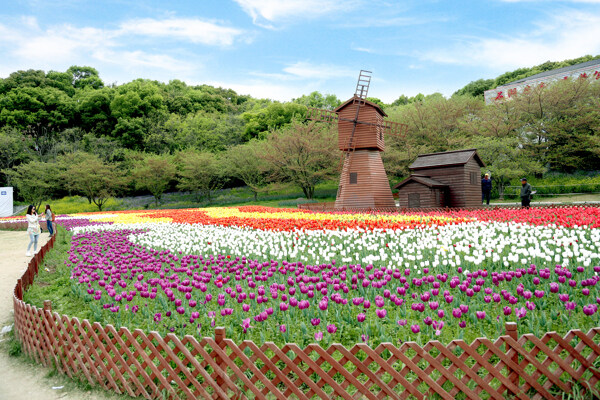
{"x": 6, "y": 201}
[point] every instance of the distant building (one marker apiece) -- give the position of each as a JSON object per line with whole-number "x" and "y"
{"x": 448, "y": 179}
{"x": 587, "y": 69}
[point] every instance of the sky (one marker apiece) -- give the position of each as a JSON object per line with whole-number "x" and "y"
{"x": 283, "y": 49}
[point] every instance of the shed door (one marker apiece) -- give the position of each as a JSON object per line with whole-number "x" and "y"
{"x": 414, "y": 200}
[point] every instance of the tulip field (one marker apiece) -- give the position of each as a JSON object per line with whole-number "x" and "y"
{"x": 285, "y": 275}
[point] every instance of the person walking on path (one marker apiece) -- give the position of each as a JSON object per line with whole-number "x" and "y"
{"x": 486, "y": 189}
{"x": 525, "y": 193}
{"x": 49, "y": 219}
{"x": 33, "y": 228}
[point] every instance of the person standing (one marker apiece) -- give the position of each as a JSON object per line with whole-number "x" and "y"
{"x": 525, "y": 193}
{"x": 486, "y": 189}
{"x": 33, "y": 228}
{"x": 49, "y": 219}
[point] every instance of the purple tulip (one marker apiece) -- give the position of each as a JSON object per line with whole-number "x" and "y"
{"x": 564, "y": 297}
{"x": 331, "y": 328}
{"x": 318, "y": 336}
{"x": 381, "y": 313}
{"x": 361, "y": 317}
{"x": 415, "y": 328}
{"x": 590, "y": 309}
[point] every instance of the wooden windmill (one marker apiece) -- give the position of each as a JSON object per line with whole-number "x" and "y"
{"x": 361, "y": 131}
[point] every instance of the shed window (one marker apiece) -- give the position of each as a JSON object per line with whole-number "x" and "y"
{"x": 414, "y": 200}
{"x": 353, "y": 178}
{"x": 474, "y": 178}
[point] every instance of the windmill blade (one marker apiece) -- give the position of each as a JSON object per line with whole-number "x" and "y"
{"x": 362, "y": 86}
{"x": 321, "y": 115}
{"x": 394, "y": 128}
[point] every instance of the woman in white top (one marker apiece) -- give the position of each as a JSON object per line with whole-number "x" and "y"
{"x": 33, "y": 229}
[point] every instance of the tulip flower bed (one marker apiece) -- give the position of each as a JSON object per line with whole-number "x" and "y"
{"x": 299, "y": 276}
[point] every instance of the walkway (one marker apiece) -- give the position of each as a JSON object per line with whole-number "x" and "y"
{"x": 19, "y": 379}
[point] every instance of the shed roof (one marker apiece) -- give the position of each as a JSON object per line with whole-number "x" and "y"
{"x": 351, "y": 100}
{"x": 424, "y": 180}
{"x": 446, "y": 159}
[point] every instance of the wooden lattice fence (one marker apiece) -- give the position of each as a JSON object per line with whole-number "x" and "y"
{"x": 150, "y": 366}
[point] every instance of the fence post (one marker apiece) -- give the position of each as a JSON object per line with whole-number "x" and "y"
{"x": 49, "y": 353}
{"x": 219, "y": 338}
{"x": 511, "y": 330}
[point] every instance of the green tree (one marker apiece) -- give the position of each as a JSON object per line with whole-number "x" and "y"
{"x": 35, "y": 181}
{"x": 317, "y": 100}
{"x": 276, "y": 115}
{"x": 245, "y": 163}
{"x": 304, "y": 154}
{"x": 560, "y": 123}
{"x": 13, "y": 152}
{"x": 90, "y": 176}
{"x": 436, "y": 122}
{"x": 476, "y": 88}
{"x": 506, "y": 160}
{"x": 29, "y": 78}
{"x": 376, "y": 101}
{"x": 39, "y": 112}
{"x": 137, "y": 106}
{"x": 85, "y": 77}
{"x": 154, "y": 173}
{"x": 205, "y": 131}
{"x": 199, "y": 173}
{"x": 93, "y": 110}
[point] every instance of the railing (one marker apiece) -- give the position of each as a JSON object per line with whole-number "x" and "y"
{"x": 151, "y": 366}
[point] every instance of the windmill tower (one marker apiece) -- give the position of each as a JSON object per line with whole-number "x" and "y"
{"x": 361, "y": 130}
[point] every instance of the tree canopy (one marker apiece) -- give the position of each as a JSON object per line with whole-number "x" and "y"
{"x": 68, "y": 127}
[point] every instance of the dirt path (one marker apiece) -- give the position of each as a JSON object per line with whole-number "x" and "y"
{"x": 19, "y": 379}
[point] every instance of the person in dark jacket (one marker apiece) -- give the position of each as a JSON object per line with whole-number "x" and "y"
{"x": 486, "y": 189}
{"x": 525, "y": 193}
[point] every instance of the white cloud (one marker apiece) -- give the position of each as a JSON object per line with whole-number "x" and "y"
{"x": 570, "y": 35}
{"x": 135, "y": 59}
{"x": 262, "y": 89}
{"x": 568, "y": 1}
{"x": 193, "y": 30}
{"x": 307, "y": 70}
{"x": 278, "y": 10}
{"x": 25, "y": 43}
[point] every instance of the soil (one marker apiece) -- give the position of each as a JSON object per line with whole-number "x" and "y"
{"x": 20, "y": 378}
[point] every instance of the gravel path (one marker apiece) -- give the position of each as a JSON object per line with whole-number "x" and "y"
{"x": 20, "y": 379}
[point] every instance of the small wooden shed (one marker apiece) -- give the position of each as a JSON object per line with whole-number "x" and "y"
{"x": 448, "y": 179}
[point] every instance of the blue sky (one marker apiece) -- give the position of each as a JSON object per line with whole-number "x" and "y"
{"x": 282, "y": 49}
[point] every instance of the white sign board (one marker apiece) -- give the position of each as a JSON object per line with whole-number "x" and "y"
{"x": 6, "y": 201}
